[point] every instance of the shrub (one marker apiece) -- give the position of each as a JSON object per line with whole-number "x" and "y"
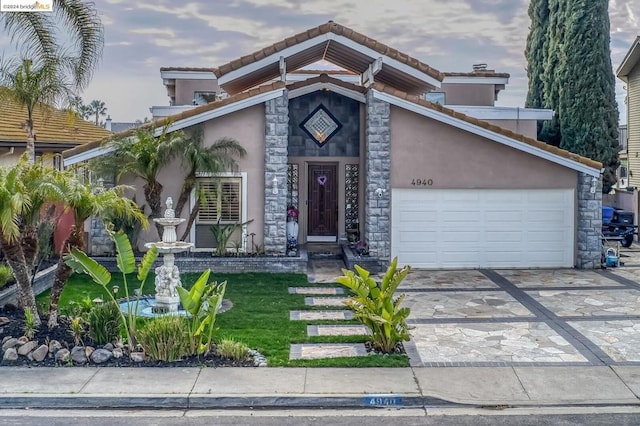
{"x": 77, "y": 330}
{"x": 167, "y": 338}
{"x": 375, "y": 306}
{"x": 30, "y": 327}
{"x": 6, "y": 275}
{"x": 232, "y": 349}
{"x": 104, "y": 323}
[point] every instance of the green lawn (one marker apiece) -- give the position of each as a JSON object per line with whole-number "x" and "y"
{"x": 259, "y": 317}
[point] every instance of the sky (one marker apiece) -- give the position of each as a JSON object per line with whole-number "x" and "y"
{"x": 451, "y": 35}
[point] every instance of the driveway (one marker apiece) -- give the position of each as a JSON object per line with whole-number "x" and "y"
{"x": 525, "y": 317}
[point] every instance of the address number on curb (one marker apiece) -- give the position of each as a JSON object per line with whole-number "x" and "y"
{"x": 422, "y": 182}
{"x": 383, "y": 400}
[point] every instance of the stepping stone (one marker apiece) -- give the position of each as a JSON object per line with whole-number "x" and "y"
{"x": 337, "y": 330}
{"x": 320, "y": 315}
{"x": 316, "y": 290}
{"x": 326, "y": 350}
{"x": 325, "y": 301}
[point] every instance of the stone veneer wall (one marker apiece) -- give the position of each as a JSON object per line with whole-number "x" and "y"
{"x": 589, "y": 223}
{"x": 378, "y": 175}
{"x": 100, "y": 242}
{"x": 275, "y": 165}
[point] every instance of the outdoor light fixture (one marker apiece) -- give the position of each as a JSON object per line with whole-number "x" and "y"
{"x": 274, "y": 186}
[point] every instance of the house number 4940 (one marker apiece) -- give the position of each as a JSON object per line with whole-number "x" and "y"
{"x": 422, "y": 182}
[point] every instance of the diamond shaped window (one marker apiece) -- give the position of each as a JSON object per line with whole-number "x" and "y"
{"x": 321, "y": 125}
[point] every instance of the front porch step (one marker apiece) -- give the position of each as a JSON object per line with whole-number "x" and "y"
{"x": 326, "y": 350}
{"x": 316, "y": 290}
{"x": 337, "y": 330}
{"x": 325, "y": 301}
{"x": 320, "y": 315}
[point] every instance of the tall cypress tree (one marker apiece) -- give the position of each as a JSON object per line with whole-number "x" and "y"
{"x": 573, "y": 63}
{"x": 534, "y": 52}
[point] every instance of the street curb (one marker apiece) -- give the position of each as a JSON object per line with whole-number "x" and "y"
{"x": 182, "y": 401}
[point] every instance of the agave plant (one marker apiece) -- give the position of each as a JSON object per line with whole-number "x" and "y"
{"x": 376, "y": 305}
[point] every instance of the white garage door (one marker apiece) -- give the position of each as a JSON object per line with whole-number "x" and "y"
{"x": 434, "y": 228}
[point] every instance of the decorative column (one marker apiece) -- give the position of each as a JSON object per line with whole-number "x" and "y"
{"x": 377, "y": 229}
{"x": 275, "y": 175}
{"x": 589, "y": 222}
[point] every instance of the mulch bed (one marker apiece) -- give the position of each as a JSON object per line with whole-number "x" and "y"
{"x": 61, "y": 333}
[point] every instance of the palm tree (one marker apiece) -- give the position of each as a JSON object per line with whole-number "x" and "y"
{"x": 24, "y": 190}
{"x": 84, "y": 202}
{"x": 33, "y": 86}
{"x": 218, "y": 157}
{"x": 143, "y": 155}
{"x": 98, "y": 109}
{"x": 38, "y": 36}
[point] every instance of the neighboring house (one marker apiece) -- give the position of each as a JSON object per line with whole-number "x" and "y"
{"x": 629, "y": 72}
{"x": 439, "y": 186}
{"x": 118, "y": 127}
{"x": 55, "y": 131}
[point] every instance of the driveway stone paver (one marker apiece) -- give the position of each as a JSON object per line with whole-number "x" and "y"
{"x": 508, "y": 342}
{"x": 421, "y": 279}
{"x": 480, "y": 304}
{"x": 567, "y": 303}
{"x": 556, "y": 278}
{"x": 619, "y": 339}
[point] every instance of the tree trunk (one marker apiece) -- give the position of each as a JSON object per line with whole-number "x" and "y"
{"x": 30, "y": 246}
{"x": 63, "y": 273}
{"x": 31, "y": 142}
{"x": 192, "y": 218}
{"x": 153, "y": 193}
{"x": 15, "y": 258}
{"x": 187, "y": 187}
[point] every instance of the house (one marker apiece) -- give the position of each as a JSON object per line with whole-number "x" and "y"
{"x": 419, "y": 162}
{"x": 629, "y": 72}
{"x": 56, "y": 131}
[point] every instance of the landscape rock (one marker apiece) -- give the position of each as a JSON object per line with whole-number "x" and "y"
{"x": 4, "y": 321}
{"x": 9, "y": 343}
{"x": 10, "y": 355}
{"x": 63, "y": 355}
{"x": 78, "y": 355}
{"x": 22, "y": 340}
{"x": 40, "y": 353}
{"x": 54, "y": 346}
{"x": 27, "y": 347}
{"x": 117, "y": 353}
{"x": 137, "y": 356}
{"x": 5, "y": 338}
{"x": 101, "y": 355}
{"x": 108, "y": 346}
{"x": 88, "y": 350}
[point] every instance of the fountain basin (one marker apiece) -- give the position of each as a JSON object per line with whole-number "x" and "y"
{"x": 170, "y": 248}
{"x": 169, "y": 221}
{"x": 146, "y": 305}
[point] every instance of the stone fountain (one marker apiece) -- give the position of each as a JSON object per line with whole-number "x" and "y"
{"x": 167, "y": 275}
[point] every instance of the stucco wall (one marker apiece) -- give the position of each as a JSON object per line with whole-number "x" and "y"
{"x": 469, "y": 94}
{"x": 185, "y": 89}
{"x": 247, "y": 127}
{"x": 422, "y": 148}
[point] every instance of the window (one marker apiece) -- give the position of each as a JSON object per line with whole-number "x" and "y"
{"x": 203, "y": 98}
{"x": 436, "y": 97}
{"x": 221, "y": 200}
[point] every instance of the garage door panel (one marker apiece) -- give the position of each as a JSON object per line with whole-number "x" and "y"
{"x": 483, "y": 228}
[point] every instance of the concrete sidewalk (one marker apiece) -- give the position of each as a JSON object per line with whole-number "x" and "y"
{"x": 183, "y": 388}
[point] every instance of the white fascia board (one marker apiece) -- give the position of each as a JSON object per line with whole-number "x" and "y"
{"x": 485, "y": 133}
{"x": 219, "y": 112}
{"x": 356, "y": 96}
{"x": 161, "y": 111}
{"x": 289, "y": 51}
{"x": 503, "y": 113}
{"x": 87, "y": 155}
{"x": 188, "y": 75}
{"x": 629, "y": 61}
{"x": 475, "y": 80}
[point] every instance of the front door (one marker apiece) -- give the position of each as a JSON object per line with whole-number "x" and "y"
{"x": 323, "y": 202}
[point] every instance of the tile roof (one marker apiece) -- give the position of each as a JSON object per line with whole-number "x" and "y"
{"x": 329, "y": 27}
{"x": 177, "y": 117}
{"x": 52, "y": 126}
{"x": 324, "y": 78}
{"x": 489, "y": 126}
